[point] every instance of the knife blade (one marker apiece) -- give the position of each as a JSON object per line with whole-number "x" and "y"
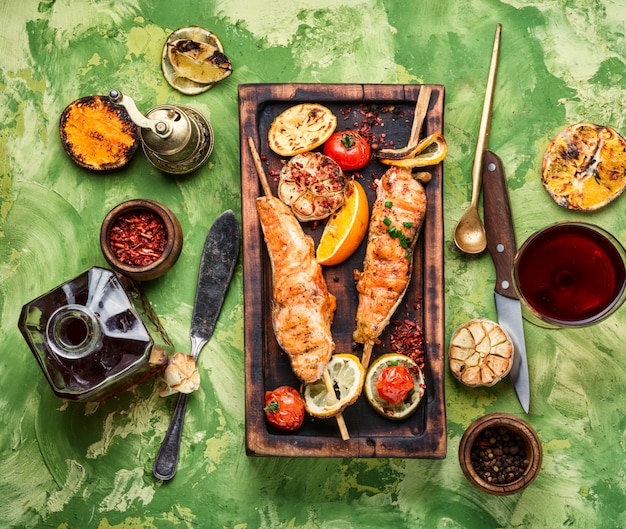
{"x": 217, "y": 264}
{"x": 502, "y": 248}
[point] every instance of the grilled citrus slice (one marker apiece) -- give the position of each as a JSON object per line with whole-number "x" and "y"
{"x": 584, "y": 167}
{"x": 193, "y": 60}
{"x": 481, "y": 353}
{"x": 197, "y": 61}
{"x": 346, "y": 228}
{"x": 409, "y": 404}
{"x": 429, "y": 151}
{"x": 97, "y": 134}
{"x": 346, "y": 375}
{"x": 312, "y": 185}
{"x": 301, "y": 128}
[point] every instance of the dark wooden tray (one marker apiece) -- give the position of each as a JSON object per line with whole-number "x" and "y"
{"x": 423, "y": 435}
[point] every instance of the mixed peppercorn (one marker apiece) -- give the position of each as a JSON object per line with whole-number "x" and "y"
{"x": 499, "y": 456}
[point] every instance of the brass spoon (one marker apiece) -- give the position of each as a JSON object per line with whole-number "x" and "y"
{"x": 469, "y": 234}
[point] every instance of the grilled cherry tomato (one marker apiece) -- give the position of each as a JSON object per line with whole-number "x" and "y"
{"x": 394, "y": 384}
{"x": 284, "y": 408}
{"x": 349, "y": 149}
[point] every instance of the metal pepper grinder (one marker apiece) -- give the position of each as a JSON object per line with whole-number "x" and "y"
{"x": 176, "y": 139}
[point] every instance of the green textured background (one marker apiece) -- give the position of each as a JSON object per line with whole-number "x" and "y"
{"x": 89, "y": 466}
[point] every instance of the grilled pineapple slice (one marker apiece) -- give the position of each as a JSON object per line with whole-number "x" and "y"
{"x": 301, "y": 128}
{"x": 481, "y": 353}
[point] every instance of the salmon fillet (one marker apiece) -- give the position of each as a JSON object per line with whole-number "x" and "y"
{"x": 395, "y": 223}
{"x": 302, "y": 307}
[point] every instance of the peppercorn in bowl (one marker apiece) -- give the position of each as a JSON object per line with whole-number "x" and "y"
{"x": 141, "y": 238}
{"x": 500, "y": 454}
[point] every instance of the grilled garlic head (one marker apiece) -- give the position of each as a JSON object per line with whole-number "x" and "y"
{"x": 481, "y": 353}
{"x": 312, "y": 185}
{"x": 181, "y": 375}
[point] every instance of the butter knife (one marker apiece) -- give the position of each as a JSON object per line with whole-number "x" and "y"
{"x": 219, "y": 257}
{"x": 502, "y": 248}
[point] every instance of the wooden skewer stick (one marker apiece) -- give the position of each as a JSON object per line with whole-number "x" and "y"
{"x": 341, "y": 423}
{"x": 421, "y": 109}
{"x": 367, "y": 354}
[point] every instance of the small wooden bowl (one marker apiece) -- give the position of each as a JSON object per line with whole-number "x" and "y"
{"x": 515, "y": 425}
{"x": 170, "y": 253}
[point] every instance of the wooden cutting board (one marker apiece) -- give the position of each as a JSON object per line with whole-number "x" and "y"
{"x": 387, "y": 110}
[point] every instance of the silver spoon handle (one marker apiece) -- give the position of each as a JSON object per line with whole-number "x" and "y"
{"x": 485, "y": 120}
{"x": 166, "y": 461}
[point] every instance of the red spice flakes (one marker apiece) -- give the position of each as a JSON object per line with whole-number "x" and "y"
{"x": 368, "y": 121}
{"x": 138, "y": 238}
{"x": 407, "y": 338}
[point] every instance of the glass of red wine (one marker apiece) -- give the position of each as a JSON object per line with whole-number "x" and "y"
{"x": 570, "y": 274}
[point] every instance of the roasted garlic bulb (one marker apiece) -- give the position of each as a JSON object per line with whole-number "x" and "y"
{"x": 481, "y": 353}
{"x": 312, "y": 185}
{"x": 181, "y": 375}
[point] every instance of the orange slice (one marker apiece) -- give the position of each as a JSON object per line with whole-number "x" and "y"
{"x": 584, "y": 167}
{"x": 346, "y": 228}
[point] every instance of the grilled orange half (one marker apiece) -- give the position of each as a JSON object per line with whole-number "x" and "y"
{"x": 97, "y": 134}
{"x": 584, "y": 167}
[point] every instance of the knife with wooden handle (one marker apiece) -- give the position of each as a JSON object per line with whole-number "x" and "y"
{"x": 502, "y": 248}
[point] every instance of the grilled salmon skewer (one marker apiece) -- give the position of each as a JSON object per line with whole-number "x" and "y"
{"x": 395, "y": 223}
{"x": 302, "y": 307}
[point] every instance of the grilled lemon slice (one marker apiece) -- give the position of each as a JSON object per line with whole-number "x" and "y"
{"x": 200, "y": 62}
{"x": 481, "y": 353}
{"x": 347, "y": 376}
{"x": 403, "y": 409}
{"x": 301, "y": 128}
{"x": 584, "y": 167}
{"x": 193, "y": 60}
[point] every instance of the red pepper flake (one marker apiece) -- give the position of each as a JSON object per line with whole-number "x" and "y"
{"x": 138, "y": 238}
{"x": 407, "y": 338}
{"x": 368, "y": 120}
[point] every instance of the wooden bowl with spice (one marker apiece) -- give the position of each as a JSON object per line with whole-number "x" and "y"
{"x": 141, "y": 238}
{"x": 500, "y": 454}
